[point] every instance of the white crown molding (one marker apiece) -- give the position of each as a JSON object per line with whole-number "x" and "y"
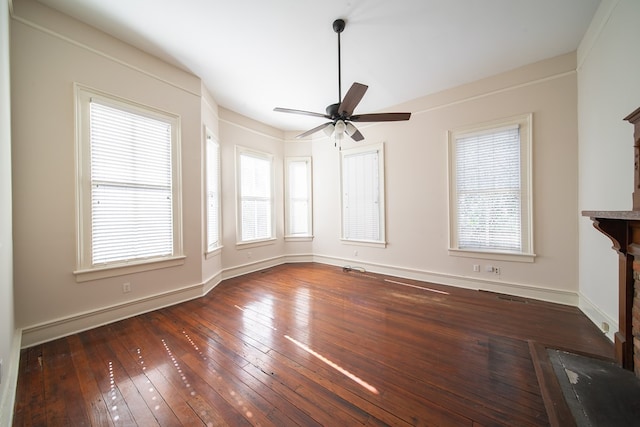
{"x": 597, "y": 25}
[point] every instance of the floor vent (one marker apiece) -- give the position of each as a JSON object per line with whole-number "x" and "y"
{"x": 512, "y": 298}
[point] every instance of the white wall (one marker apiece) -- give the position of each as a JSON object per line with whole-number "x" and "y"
{"x": 236, "y": 130}
{"x": 51, "y": 52}
{"x": 417, "y": 195}
{"x": 608, "y": 90}
{"x": 212, "y": 263}
{"x": 9, "y": 337}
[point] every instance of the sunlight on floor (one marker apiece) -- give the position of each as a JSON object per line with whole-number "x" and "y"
{"x": 417, "y": 287}
{"x": 335, "y": 366}
{"x": 176, "y": 365}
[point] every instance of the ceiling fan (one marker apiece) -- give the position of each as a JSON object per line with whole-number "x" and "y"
{"x": 341, "y": 114}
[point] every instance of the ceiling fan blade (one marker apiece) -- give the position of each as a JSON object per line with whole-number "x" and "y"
{"x": 314, "y": 130}
{"x": 352, "y": 98}
{"x": 304, "y": 113}
{"x": 357, "y": 136}
{"x": 353, "y": 132}
{"x": 380, "y": 117}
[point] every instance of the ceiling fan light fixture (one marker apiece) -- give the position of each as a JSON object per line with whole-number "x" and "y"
{"x": 340, "y": 127}
{"x": 350, "y": 129}
{"x": 328, "y": 129}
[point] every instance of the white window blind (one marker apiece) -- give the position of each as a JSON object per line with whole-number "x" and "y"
{"x": 213, "y": 193}
{"x": 488, "y": 190}
{"x": 362, "y": 207}
{"x": 131, "y": 185}
{"x": 256, "y": 205}
{"x": 299, "y": 197}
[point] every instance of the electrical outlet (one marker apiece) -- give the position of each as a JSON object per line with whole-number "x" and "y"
{"x": 248, "y": 255}
{"x": 476, "y": 268}
{"x": 126, "y": 288}
{"x": 496, "y": 270}
{"x": 605, "y": 327}
{"x": 355, "y": 253}
{"x": 488, "y": 268}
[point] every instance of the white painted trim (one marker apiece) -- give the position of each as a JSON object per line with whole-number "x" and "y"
{"x": 597, "y": 25}
{"x": 58, "y": 328}
{"x": 253, "y": 131}
{"x": 252, "y": 267}
{"x": 211, "y": 283}
{"x": 597, "y": 316}
{"x": 516, "y": 289}
{"x": 64, "y": 326}
{"x": 105, "y": 55}
{"x": 495, "y": 92}
{"x": 10, "y": 382}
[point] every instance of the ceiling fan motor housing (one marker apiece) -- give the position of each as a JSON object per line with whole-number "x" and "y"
{"x": 332, "y": 110}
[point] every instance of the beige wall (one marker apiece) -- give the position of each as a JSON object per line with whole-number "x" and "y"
{"x": 608, "y": 90}
{"x": 417, "y": 194}
{"x": 51, "y": 51}
{"x": 236, "y": 130}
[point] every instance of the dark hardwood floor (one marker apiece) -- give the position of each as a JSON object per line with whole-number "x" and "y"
{"x": 307, "y": 344}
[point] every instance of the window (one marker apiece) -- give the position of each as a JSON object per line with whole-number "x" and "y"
{"x": 213, "y": 193}
{"x": 363, "y": 195}
{"x": 298, "y": 197}
{"x": 128, "y": 183}
{"x": 255, "y": 195}
{"x": 490, "y": 189}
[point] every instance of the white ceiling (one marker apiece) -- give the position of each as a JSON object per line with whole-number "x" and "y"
{"x": 254, "y": 55}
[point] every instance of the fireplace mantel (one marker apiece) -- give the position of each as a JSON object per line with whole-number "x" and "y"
{"x": 623, "y": 228}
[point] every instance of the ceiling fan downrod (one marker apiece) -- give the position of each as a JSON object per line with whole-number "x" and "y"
{"x": 338, "y": 27}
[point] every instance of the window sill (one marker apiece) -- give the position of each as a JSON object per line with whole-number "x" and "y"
{"x": 127, "y": 268}
{"x": 493, "y": 255}
{"x": 298, "y": 238}
{"x": 213, "y": 252}
{"x": 255, "y": 243}
{"x": 370, "y": 243}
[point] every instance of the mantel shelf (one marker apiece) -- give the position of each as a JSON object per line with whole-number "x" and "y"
{"x": 624, "y": 215}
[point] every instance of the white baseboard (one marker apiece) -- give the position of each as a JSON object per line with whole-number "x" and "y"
{"x": 211, "y": 283}
{"x": 62, "y": 327}
{"x": 10, "y": 381}
{"x": 517, "y": 289}
{"x": 58, "y": 328}
{"x": 252, "y": 267}
{"x": 51, "y": 330}
{"x": 598, "y": 317}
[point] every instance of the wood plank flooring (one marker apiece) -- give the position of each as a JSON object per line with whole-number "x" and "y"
{"x": 308, "y": 345}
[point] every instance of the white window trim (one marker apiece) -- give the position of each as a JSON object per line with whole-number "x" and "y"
{"x": 525, "y": 123}
{"x": 298, "y": 237}
{"x": 85, "y": 270}
{"x": 262, "y": 241}
{"x": 211, "y": 139}
{"x": 382, "y": 243}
